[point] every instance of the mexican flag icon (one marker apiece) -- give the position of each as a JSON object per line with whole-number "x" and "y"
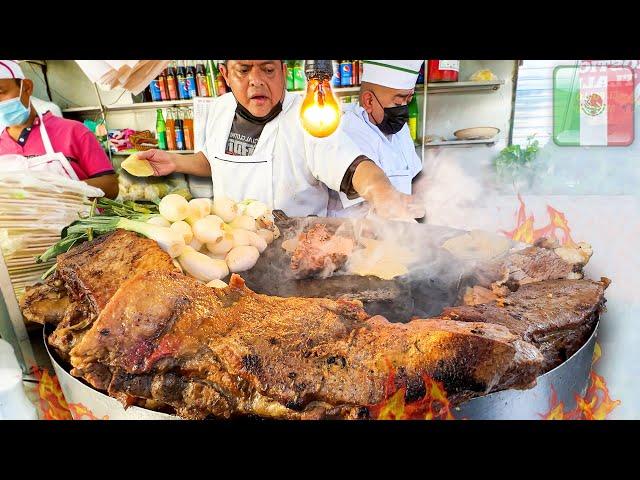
{"x": 593, "y": 105}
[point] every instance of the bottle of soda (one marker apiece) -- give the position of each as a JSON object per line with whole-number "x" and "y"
{"x": 299, "y": 80}
{"x": 172, "y": 82}
{"x": 179, "y": 129}
{"x": 290, "y": 83}
{"x": 146, "y": 94}
{"x": 413, "y": 118}
{"x": 170, "y": 125}
{"x": 420, "y": 80}
{"x": 346, "y": 73}
{"x": 201, "y": 79}
{"x": 183, "y": 93}
{"x": 161, "y": 130}
{"x": 191, "y": 79}
{"x": 154, "y": 89}
{"x": 162, "y": 84}
{"x": 221, "y": 85}
{"x": 211, "y": 78}
{"x": 335, "y": 81}
{"x": 187, "y": 124}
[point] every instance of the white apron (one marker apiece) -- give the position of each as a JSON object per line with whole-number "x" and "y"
{"x": 51, "y": 161}
{"x": 243, "y": 177}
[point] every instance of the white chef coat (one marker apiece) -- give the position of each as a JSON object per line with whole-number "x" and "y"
{"x": 289, "y": 170}
{"x": 395, "y": 154}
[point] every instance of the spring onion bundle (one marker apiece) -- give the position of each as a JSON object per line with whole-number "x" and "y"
{"x": 107, "y": 215}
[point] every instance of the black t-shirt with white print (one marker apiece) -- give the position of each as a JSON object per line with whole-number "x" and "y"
{"x": 245, "y": 133}
{"x": 243, "y": 137}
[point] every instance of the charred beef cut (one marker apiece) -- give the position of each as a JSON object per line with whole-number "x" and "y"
{"x": 85, "y": 280}
{"x": 539, "y": 262}
{"x": 231, "y": 351}
{"x": 320, "y": 252}
{"x": 557, "y": 316}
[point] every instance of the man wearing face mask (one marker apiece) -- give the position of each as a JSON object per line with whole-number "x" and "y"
{"x": 44, "y": 142}
{"x": 254, "y": 146}
{"x": 378, "y": 125}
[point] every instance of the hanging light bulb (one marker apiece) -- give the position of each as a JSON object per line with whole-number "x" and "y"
{"x": 320, "y": 113}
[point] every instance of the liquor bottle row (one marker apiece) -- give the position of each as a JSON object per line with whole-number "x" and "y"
{"x": 186, "y": 79}
{"x": 176, "y": 132}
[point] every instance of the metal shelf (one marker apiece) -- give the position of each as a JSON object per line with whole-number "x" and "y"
{"x": 462, "y": 87}
{"x": 457, "y": 143}
{"x": 432, "y": 88}
{"x": 148, "y": 105}
{"x": 94, "y": 108}
{"x": 124, "y": 107}
{"x": 129, "y": 152}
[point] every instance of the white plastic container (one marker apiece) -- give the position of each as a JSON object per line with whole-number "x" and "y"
{"x": 14, "y": 404}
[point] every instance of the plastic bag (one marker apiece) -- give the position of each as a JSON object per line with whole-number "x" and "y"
{"x": 483, "y": 75}
{"x": 151, "y": 189}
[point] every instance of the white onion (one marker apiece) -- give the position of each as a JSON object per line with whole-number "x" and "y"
{"x": 225, "y": 208}
{"x": 245, "y": 222}
{"x": 222, "y": 245}
{"x": 217, "y": 284}
{"x": 242, "y": 258}
{"x": 207, "y": 230}
{"x": 183, "y": 229}
{"x": 198, "y": 208}
{"x": 174, "y": 207}
{"x": 200, "y": 266}
{"x": 241, "y": 237}
{"x": 255, "y": 209}
{"x": 160, "y": 221}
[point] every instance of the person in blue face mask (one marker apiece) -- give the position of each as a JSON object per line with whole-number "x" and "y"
{"x": 44, "y": 142}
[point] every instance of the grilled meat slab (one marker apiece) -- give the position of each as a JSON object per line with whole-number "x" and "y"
{"x": 557, "y": 316}
{"x": 226, "y": 352}
{"x": 86, "y": 278}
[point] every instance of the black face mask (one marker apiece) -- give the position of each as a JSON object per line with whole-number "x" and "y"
{"x": 247, "y": 115}
{"x": 394, "y": 118}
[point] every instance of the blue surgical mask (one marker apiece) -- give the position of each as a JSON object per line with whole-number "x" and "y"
{"x": 13, "y": 112}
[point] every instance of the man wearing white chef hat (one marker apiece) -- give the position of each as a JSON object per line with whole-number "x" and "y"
{"x": 255, "y": 147}
{"x": 378, "y": 126}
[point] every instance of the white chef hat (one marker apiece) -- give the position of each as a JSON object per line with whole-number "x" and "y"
{"x": 400, "y": 74}
{"x": 10, "y": 69}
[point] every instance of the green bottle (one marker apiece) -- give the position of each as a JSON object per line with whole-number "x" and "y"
{"x": 290, "y": 83}
{"x": 161, "y": 131}
{"x": 211, "y": 78}
{"x": 299, "y": 79}
{"x": 413, "y": 118}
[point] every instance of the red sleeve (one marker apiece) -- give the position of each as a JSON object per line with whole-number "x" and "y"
{"x": 91, "y": 157}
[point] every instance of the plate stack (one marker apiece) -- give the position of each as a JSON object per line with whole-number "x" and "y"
{"x": 34, "y": 208}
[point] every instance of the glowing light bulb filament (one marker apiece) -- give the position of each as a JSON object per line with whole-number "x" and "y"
{"x": 320, "y": 113}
